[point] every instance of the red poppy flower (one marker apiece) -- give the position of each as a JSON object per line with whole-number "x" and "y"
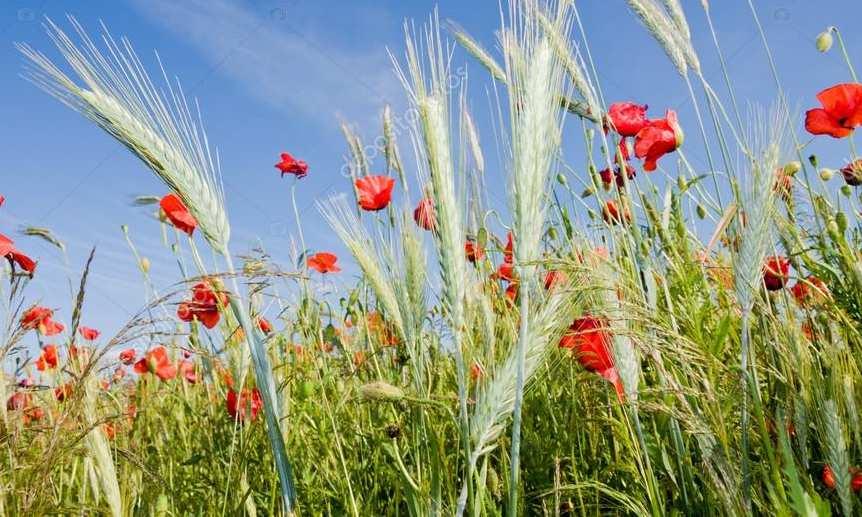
{"x": 63, "y": 392}
{"x": 177, "y": 213}
{"x": 852, "y": 173}
{"x": 48, "y": 359}
{"x": 323, "y": 262}
{"x": 613, "y": 215}
{"x": 187, "y": 370}
{"x": 608, "y": 176}
{"x": 89, "y": 333}
{"x": 8, "y": 250}
{"x": 809, "y": 290}
{"x": 375, "y": 192}
{"x": 358, "y": 358}
{"x": 127, "y": 356}
{"x": 289, "y": 165}
{"x": 506, "y": 270}
{"x": 204, "y": 305}
{"x": 591, "y": 340}
{"x": 244, "y": 406}
{"x": 18, "y": 400}
{"x": 660, "y": 137}
{"x": 512, "y": 292}
{"x": 841, "y": 112}
{"x": 476, "y": 371}
{"x": 627, "y": 118}
{"x": 33, "y": 414}
{"x": 2, "y": 200}
{"x": 856, "y": 481}
{"x": 77, "y": 352}
{"x": 776, "y": 272}
{"x": 828, "y": 477}
{"x": 473, "y": 250}
{"x": 156, "y": 361}
{"x": 554, "y": 278}
{"x": 40, "y": 318}
{"x": 425, "y": 215}
{"x": 264, "y": 325}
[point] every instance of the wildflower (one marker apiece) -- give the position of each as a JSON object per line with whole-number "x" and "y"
{"x": 841, "y": 112}
{"x": 8, "y": 250}
{"x": 554, "y": 278}
{"x": 110, "y": 430}
{"x": 63, "y": 392}
{"x": 118, "y": 375}
{"x": 627, "y": 118}
{"x": 375, "y": 192}
{"x": 245, "y": 405}
{"x": 40, "y": 318}
{"x": 127, "y": 356}
{"x": 77, "y": 352}
{"x": 88, "y": 333}
{"x": 358, "y": 358}
{"x": 476, "y": 371}
{"x": 852, "y": 173}
{"x": 506, "y": 271}
{"x": 425, "y": 215}
{"x": 264, "y": 325}
{"x": 19, "y": 400}
{"x": 204, "y": 305}
{"x": 323, "y": 262}
{"x": 660, "y": 137}
{"x": 613, "y": 215}
{"x": 473, "y": 250}
{"x": 608, "y": 176}
{"x": 177, "y": 213}
{"x": 512, "y": 292}
{"x": 156, "y": 361}
{"x": 776, "y": 272}
{"x": 828, "y": 477}
{"x": 187, "y": 370}
{"x": 290, "y": 165}
{"x": 47, "y": 359}
{"x": 812, "y": 289}
{"x": 590, "y": 338}
{"x": 856, "y": 481}
{"x": 32, "y": 414}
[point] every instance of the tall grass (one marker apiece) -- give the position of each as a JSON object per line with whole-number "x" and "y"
{"x": 461, "y": 386}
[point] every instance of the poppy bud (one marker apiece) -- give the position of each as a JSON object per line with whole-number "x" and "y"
{"x": 846, "y": 190}
{"x": 144, "y": 264}
{"x": 681, "y": 183}
{"x": 380, "y": 391}
{"x": 792, "y": 168}
{"x": 832, "y": 230}
{"x": 824, "y": 40}
{"x": 124, "y": 228}
{"x": 812, "y": 159}
{"x": 826, "y": 174}
{"x": 701, "y": 212}
{"x": 841, "y": 221}
{"x": 552, "y": 233}
{"x": 561, "y": 179}
{"x": 587, "y": 192}
{"x": 828, "y": 477}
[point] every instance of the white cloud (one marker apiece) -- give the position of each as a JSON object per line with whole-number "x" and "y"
{"x": 291, "y": 68}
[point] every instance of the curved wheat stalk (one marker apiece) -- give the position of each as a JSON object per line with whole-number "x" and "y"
{"x": 117, "y": 94}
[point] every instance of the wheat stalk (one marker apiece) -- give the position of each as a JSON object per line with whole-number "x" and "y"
{"x": 118, "y": 95}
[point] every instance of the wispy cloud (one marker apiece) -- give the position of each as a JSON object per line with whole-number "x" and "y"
{"x": 297, "y": 69}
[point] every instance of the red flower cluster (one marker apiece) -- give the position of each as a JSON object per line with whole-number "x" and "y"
{"x": 176, "y": 212}
{"x": 40, "y": 318}
{"x": 290, "y": 165}
{"x": 374, "y": 192}
{"x": 204, "y": 305}
{"x": 653, "y": 138}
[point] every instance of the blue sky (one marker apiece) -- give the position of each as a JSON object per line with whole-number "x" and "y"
{"x": 281, "y": 75}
